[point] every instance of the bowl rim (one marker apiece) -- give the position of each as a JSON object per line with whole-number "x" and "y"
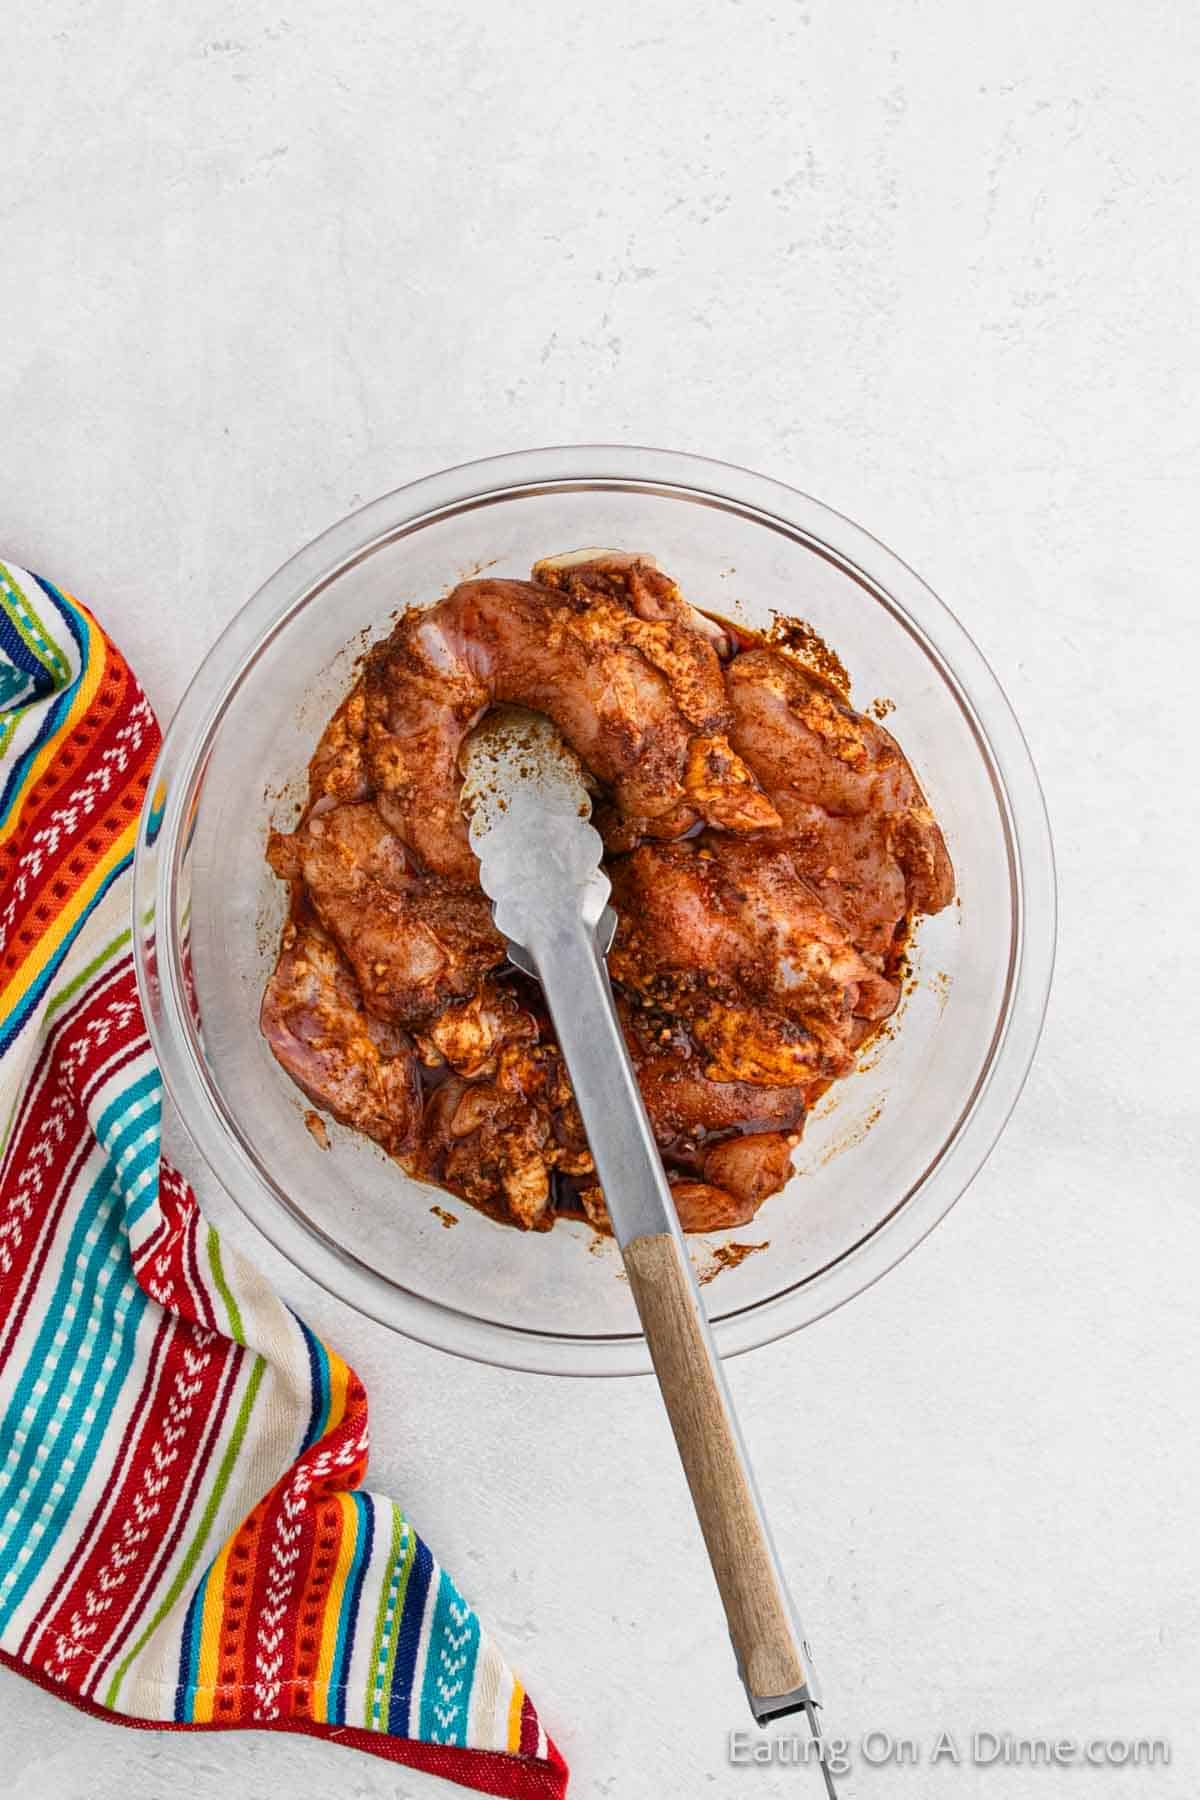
{"x": 166, "y": 818}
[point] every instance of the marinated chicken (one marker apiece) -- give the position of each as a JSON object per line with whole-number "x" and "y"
{"x": 768, "y": 848}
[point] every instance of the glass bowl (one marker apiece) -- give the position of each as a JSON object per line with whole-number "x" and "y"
{"x": 891, "y": 1147}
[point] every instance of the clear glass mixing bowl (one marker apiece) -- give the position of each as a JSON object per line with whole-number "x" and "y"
{"x": 888, "y": 1151}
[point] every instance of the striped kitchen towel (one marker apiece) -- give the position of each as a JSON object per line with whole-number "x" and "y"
{"x": 183, "y": 1538}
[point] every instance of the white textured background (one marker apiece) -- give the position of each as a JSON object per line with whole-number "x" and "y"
{"x": 936, "y": 264}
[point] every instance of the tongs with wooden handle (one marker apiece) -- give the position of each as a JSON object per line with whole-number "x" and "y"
{"x": 540, "y": 863}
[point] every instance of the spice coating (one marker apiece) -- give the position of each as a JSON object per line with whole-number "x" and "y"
{"x": 768, "y": 848}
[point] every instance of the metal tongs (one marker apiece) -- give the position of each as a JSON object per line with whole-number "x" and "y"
{"x": 539, "y": 863}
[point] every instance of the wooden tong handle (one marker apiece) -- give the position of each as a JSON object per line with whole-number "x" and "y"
{"x": 764, "y": 1635}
